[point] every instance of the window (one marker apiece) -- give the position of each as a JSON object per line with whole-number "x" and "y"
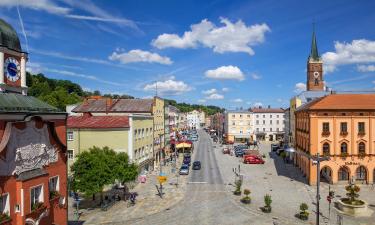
{"x": 270, "y": 121}
{"x": 271, "y": 128}
{"x": 70, "y": 135}
{"x": 257, "y": 116}
{"x": 325, "y": 127}
{"x": 70, "y": 154}
{"x": 277, "y": 116}
{"x": 361, "y": 127}
{"x": 135, "y": 134}
{"x": 264, "y": 116}
{"x": 233, "y": 123}
{"x": 344, "y": 148}
{"x": 325, "y": 149}
{"x": 264, "y": 122}
{"x": 343, "y": 127}
{"x": 277, "y": 122}
{"x": 264, "y": 129}
{"x": 53, "y": 184}
{"x": 361, "y": 148}
{"x": 361, "y": 173}
{"x": 271, "y": 116}
{"x": 233, "y": 116}
{"x": 343, "y": 174}
{"x": 241, "y": 131}
{"x": 240, "y": 116}
{"x": 257, "y": 122}
{"x": 4, "y": 204}
{"x": 36, "y": 195}
{"x": 277, "y": 129}
{"x": 257, "y": 129}
{"x": 248, "y": 116}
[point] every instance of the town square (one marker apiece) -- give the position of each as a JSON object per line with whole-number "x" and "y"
{"x": 187, "y": 112}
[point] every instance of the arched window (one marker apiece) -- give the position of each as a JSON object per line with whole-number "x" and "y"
{"x": 343, "y": 174}
{"x": 361, "y": 148}
{"x": 361, "y": 173}
{"x": 344, "y": 148}
{"x": 325, "y": 149}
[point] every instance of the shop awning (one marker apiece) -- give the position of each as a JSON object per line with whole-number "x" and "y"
{"x": 184, "y": 144}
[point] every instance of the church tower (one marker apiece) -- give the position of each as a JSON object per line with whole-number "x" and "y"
{"x": 12, "y": 61}
{"x": 315, "y": 80}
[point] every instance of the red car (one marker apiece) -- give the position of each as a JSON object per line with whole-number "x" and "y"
{"x": 252, "y": 159}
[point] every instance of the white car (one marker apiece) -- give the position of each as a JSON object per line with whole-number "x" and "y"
{"x": 184, "y": 170}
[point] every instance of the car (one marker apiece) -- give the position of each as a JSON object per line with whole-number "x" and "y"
{"x": 194, "y": 138}
{"x": 184, "y": 170}
{"x": 187, "y": 161}
{"x": 226, "y": 150}
{"x": 252, "y": 159}
{"x": 196, "y": 165}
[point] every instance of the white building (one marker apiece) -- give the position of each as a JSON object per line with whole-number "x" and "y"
{"x": 239, "y": 126}
{"x": 269, "y": 123}
{"x": 194, "y": 119}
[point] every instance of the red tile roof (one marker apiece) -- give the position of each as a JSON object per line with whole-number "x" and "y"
{"x": 115, "y": 105}
{"x": 98, "y": 122}
{"x": 342, "y": 102}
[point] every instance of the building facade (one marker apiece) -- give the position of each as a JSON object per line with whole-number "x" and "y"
{"x": 131, "y": 134}
{"x": 269, "y": 123}
{"x": 193, "y": 119}
{"x": 33, "y": 145}
{"x": 342, "y": 127}
{"x": 239, "y": 126}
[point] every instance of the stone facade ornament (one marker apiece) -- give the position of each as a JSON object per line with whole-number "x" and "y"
{"x": 28, "y": 149}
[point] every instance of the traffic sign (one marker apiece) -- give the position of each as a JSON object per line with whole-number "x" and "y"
{"x": 162, "y": 179}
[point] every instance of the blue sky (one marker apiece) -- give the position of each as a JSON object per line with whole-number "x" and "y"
{"x": 226, "y": 53}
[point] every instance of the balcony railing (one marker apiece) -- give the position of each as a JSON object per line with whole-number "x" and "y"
{"x": 344, "y": 133}
{"x": 361, "y": 133}
{"x": 326, "y": 133}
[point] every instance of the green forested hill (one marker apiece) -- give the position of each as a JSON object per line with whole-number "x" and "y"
{"x": 60, "y": 93}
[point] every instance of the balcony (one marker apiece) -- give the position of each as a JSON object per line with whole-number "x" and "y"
{"x": 361, "y": 133}
{"x": 344, "y": 133}
{"x": 36, "y": 210}
{"x": 326, "y": 133}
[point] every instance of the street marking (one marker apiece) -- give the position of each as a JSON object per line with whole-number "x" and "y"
{"x": 197, "y": 182}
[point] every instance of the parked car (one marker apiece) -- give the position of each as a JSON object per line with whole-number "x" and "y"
{"x": 194, "y": 138}
{"x": 187, "y": 161}
{"x": 196, "y": 165}
{"x": 184, "y": 170}
{"x": 226, "y": 150}
{"x": 252, "y": 159}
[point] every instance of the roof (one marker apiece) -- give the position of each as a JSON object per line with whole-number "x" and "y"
{"x": 341, "y": 102}
{"x": 307, "y": 96}
{"x": 314, "y": 48}
{"x": 238, "y": 111}
{"x": 9, "y": 37}
{"x": 115, "y": 105}
{"x": 267, "y": 110}
{"x": 98, "y": 122}
{"x": 18, "y": 103}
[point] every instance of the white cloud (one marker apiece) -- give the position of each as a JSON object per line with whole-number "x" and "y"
{"x": 138, "y": 55}
{"x": 300, "y": 87}
{"x": 209, "y": 91}
{"x": 225, "y": 89}
{"x": 366, "y": 68}
{"x": 226, "y": 73}
{"x": 215, "y": 96}
{"x": 249, "y": 103}
{"x": 231, "y": 37}
{"x": 358, "y": 51}
{"x": 257, "y": 104}
{"x": 168, "y": 87}
{"x": 42, "y": 5}
{"x": 101, "y": 19}
{"x": 255, "y": 76}
{"x": 237, "y": 100}
{"x": 201, "y": 100}
{"x": 279, "y": 100}
{"x": 85, "y": 76}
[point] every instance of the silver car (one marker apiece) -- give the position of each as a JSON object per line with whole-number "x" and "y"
{"x": 184, "y": 170}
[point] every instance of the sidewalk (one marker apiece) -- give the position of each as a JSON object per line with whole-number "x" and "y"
{"x": 148, "y": 201}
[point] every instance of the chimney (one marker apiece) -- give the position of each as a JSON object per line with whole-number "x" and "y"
{"x": 269, "y": 106}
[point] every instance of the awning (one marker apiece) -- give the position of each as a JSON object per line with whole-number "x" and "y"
{"x": 184, "y": 144}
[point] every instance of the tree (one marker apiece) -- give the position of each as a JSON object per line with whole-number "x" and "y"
{"x": 93, "y": 170}
{"x": 125, "y": 172}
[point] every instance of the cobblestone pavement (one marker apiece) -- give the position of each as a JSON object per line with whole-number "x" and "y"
{"x": 288, "y": 189}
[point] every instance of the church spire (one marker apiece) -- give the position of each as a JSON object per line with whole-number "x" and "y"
{"x": 314, "y": 55}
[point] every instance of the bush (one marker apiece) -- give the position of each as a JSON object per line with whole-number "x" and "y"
{"x": 4, "y": 217}
{"x": 352, "y": 193}
{"x": 238, "y": 184}
{"x": 267, "y": 202}
{"x": 303, "y": 214}
{"x": 247, "y": 198}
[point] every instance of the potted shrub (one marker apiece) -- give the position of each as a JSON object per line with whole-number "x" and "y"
{"x": 267, "y": 202}
{"x": 37, "y": 206}
{"x": 247, "y": 198}
{"x": 303, "y": 214}
{"x": 4, "y": 217}
{"x": 53, "y": 195}
{"x": 238, "y": 184}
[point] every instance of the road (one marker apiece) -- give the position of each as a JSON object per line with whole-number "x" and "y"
{"x": 206, "y": 201}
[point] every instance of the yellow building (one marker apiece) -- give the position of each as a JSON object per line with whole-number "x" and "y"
{"x": 132, "y": 134}
{"x": 239, "y": 126}
{"x": 158, "y": 134}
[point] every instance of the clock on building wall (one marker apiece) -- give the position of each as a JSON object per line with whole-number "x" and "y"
{"x": 316, "y": 75}
{"x": 12, "y": 69}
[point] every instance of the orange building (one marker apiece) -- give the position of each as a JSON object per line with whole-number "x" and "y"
{"x": 32, "y": 145}
{"x": 341, "y": 126}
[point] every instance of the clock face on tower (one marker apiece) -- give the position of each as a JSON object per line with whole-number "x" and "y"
{"x": 316, "y": 75}
{"x": 12, "y": 69}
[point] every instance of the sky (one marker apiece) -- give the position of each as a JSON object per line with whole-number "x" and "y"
{"x": 227, "y": 53}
